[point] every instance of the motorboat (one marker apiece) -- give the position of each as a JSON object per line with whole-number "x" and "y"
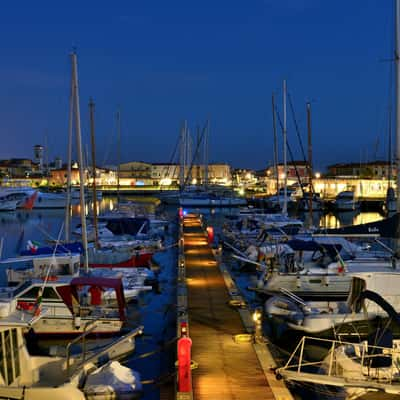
{"x": 316, "y": 269}
{"x": 277, "y": 201}
{"x": 315, "y": 198}
{"x": 28, "y": 197}
{"x": 72, "y": 305}
{"x": 346, "y": 201}
{"x": 8, "y": 202}
{"x": 210, "y": 199}
{"x": 372, "y": 294}
{"x": 356, "y": 370}
{"x": 94, "y": 375}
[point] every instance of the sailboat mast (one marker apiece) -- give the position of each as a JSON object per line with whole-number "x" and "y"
{"x": 80, "y": 160}
{"x": 96, "y": 230}
{"x": 310, "y": 163}
{"x": 69, "y": 160}
{"x": 118, "y": 116}
{"x": 275, "y": 144}
{"x": 397, "y": 55}
{"x": 206, "y": 137}
{"x": 284, "y": 150}
{"x": 182, "y": 156}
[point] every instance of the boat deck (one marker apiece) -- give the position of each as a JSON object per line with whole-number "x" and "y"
{"x": 226, "y": 369}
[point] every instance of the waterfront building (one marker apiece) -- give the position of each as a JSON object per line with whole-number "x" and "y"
{"x": 373, "y": 169}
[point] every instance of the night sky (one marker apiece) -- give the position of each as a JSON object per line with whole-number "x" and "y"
{"x": 166, "y": 61}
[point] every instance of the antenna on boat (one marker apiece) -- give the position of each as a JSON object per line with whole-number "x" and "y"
{"x": 80, "y": 159}
{"x": 96, "y": 231}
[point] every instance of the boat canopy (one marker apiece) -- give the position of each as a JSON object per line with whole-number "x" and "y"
{"x": 69, "y": 293}
{"x": 310, "y": 245}
{"x": 128, "y": 226}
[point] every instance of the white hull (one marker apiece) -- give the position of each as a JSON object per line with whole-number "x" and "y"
{"x": 8, "y": 205}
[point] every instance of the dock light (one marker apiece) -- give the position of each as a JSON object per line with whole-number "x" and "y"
{"x": 184, "y": 328}
{"x": 257, "y": 315}
{"x": 257, "y": 318}
{"x": 185, "y": 212}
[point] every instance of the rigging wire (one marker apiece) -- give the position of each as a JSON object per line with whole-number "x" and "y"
{"x": 290, "y": 153}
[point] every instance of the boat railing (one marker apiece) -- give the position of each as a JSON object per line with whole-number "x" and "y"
{"x": 90, "y": 356}
{"x": 354, "y": 363}
{"x": 293, "y": 296}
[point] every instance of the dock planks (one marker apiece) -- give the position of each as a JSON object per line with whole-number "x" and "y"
{"x": 226, "y": 370}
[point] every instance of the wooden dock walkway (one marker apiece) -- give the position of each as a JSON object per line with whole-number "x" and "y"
{"x": 226, "y": 369}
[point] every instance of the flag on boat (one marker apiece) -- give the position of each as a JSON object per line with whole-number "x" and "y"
{"x": 342, "y": 265}
{"x": 38, "y": 304}
{"x": 32, "y": 246}
{"x": 30, "y": 201}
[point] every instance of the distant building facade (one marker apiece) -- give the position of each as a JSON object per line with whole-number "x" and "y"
{"x": 373, "y": 170}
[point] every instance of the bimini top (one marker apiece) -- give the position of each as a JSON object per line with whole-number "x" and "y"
{"x": 310, "y": 245}
{"x": 69, "y": 293}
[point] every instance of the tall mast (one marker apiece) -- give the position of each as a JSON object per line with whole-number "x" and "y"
{"x": 284, "y": 211}
{"x": 69, "y": 160}
{"x": 96, "y": 231}
{"x": 205, "y": 155}
{"x": 182, "y": 157}
{"x": 80, "y": 159}
{"x": 118, "y": 152}
{"x": 397, "y": 100}
{"x": 275, "y": 143}
{"x": 310, "y": 163}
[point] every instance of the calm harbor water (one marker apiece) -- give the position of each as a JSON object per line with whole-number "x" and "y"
{"x": 155, "y": 310}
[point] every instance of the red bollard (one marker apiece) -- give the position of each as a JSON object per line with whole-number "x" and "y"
{"x": 210, "y": 234}
{"x": 184, "y": 359}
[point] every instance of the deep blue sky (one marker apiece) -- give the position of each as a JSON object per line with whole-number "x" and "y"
{"x": 165, "y": 61}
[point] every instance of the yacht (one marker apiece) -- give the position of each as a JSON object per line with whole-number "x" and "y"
{"x": 346, "y": 201}
{"x": 372, "y": 294}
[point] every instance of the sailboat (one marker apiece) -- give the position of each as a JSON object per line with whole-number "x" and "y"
{"x": 201, "y": 196}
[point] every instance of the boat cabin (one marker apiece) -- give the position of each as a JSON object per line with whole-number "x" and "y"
{"x": 383, "y": 284}
{"x": 21, "y": 269}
